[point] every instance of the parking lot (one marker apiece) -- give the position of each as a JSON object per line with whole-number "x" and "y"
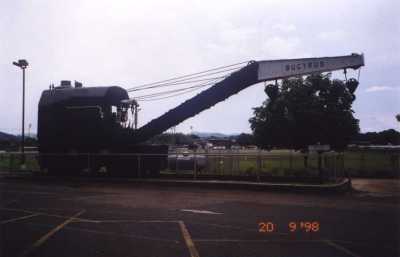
{"x": 72, "y": 218}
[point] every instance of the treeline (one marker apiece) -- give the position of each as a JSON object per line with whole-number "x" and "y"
{"x": 173, "y": 139}
{"x": 384, "y": 137}
{"x": 13, "y": 144}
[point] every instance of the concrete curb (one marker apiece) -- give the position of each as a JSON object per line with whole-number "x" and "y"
{"x": 341, "y": 187}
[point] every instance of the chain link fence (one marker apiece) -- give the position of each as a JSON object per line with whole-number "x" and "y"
{"x": 251, "y": 166}
{"x": 373, "y": 163}
{"x": 255, "y": 166}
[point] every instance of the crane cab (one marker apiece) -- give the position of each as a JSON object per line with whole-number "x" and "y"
{"x": 77, "y": 120}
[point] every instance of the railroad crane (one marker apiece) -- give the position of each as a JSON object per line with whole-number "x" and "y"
{"x": 76, "y": 121}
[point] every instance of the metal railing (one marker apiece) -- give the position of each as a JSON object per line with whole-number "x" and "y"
{"x": 253, "y": 166}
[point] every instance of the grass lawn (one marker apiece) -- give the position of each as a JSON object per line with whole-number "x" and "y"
{"x": 12, "y": 162}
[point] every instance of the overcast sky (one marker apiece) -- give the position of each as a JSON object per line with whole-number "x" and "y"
{"x": 128, "y": 43}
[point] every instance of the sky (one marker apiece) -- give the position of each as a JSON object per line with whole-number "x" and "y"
{"x": 128, "y": 43}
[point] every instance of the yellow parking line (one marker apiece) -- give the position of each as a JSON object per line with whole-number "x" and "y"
{"x": 13, "y": 209}
{"x": 188, "y": 240}
{"x": 50, "y": 215}
{"x": 257, "y": 241}
{"x": 341, "y": 248}
{"x": 19, "y": 218}
{"x": 44, "y": 238}
{"x": 133, "y": 221}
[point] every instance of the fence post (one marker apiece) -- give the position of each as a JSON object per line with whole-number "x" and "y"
{"x": 219, "y": 163}
{"x": 335, "y": 167}
{"x": 320, "y": 167}
{"x": 398, "y": 164}
{"x": 232, "y": 161}
{"x": 139, "y": 172}
{"x": 168, "y": 163}
{"x": 394, "y": 160}
{"x": 176, "y": 163}
{"x": 195, "y": 166}
{"x": 361, "y": 163}
{"x": 10, "y": 162}
{"x": 88, "y": 162}
{"x": 258, "y": 166}
{"x": 343, "y": 164}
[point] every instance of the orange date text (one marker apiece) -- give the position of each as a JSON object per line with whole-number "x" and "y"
{"x": 293, "y": 226}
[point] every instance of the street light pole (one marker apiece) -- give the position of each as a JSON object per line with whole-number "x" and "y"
{"x": 23, "y": 117}
{"x": 22, "y": 64}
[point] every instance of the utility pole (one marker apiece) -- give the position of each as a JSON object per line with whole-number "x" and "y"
{"x": 23, "y": 64}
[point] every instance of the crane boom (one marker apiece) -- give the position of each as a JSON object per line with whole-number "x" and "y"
{"x": 280, "y": 69}
{"x": 253, "y": 73}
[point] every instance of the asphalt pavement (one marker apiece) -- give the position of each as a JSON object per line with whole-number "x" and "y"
{"x": 84, "y": 218}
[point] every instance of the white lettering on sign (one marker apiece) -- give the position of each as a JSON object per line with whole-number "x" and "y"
{"x": 304, "y": 66}
{"x": 279, "y": 69}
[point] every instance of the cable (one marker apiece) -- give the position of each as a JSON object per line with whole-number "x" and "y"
{"x": 165, "y": 97}
{"x": 182, "y": 80}
{"x": 176, "y": 83}
{"x": 166, "y": 92}
{"x": 172, "y": 91}
{"x": 186, "y": 79}
{"x": 186, "y": 90}
{"x": 190, "y": 76}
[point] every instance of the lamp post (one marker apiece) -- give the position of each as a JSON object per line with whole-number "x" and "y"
{"x": 22, "y": 64}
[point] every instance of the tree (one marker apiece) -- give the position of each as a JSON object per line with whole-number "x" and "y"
{"x": 245, "y": 139}
{"x": 176, "y": 138}
{"x": 385, "y": 137}
{"x": 301, "y": 112}
{"x": 398, "y": 117}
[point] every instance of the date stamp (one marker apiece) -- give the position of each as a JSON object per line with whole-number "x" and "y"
{"x": 292, "y": 226}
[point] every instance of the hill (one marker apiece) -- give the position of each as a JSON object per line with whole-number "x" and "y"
{"x": 213, "y": 134}
{"x": 7, "y": 137}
